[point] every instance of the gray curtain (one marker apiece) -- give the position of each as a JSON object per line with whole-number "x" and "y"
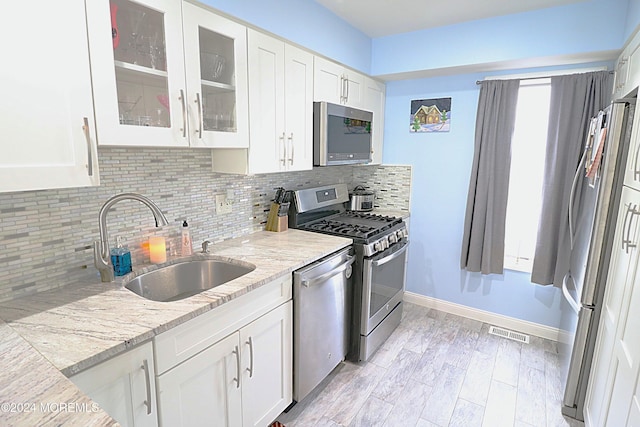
{"x": 574, "y": 100}
{"x": 484, "y": 223}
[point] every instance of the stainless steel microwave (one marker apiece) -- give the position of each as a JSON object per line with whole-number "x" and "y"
{"x": 341, "y": 135}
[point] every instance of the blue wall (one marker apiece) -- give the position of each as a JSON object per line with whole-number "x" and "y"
{"x": 306, "y": 23}
{"x": 590, "y": 26}
{"x": 441, "y": 168}
{"x": 633, "y": 18}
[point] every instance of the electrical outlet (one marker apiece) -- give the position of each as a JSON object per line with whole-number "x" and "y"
{"x": 223, "y": 206}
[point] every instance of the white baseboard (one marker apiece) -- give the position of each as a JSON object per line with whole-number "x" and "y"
{"x": 512, "y": 323}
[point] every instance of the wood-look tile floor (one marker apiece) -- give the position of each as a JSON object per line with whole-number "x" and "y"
{"x": 439, "y": 369}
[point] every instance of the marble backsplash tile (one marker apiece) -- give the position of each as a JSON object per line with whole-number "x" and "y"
{"x": 46, "y": 237}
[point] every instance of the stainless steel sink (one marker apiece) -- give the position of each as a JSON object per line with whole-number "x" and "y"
{"x": 178, "y": 281}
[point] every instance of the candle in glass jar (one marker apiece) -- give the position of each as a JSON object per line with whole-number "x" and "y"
{"x": 157, "y": 250}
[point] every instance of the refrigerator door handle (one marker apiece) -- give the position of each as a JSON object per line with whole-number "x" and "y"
{"x": 577, "y": 357}
{"x": 567, "y": 294}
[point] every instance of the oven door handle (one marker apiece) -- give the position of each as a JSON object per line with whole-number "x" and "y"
{"x": 321, "y": 278}
{"x": 391, "y": 257}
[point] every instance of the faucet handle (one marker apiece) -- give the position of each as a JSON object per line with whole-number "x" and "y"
{"x": 205, "y": 246}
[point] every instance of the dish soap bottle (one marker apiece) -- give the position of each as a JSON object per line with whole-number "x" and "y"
{"x": 120, "y": 258}
{"x": 187, "y": 248}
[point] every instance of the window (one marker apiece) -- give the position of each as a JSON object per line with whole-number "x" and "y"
{"x": 526, "y": 175}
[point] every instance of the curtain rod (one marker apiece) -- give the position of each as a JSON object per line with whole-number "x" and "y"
{"x": 531, "y": 78}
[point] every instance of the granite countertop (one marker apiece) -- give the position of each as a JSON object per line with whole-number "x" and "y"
{"x": 67, "y": 330}
{"x": 391, "y": 212}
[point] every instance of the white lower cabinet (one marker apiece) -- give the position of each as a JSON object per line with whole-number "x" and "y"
{"x": 204, "y": 389}
{"x": 124, "y": 387}
{"x": 231, "y": 366}
{"x": 266, "y": 348}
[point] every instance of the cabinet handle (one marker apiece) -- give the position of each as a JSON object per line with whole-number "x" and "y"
{"x": 183, "y": 102}
{"x": 250, "y": 368}
{"x": 627, "y": 241}
{"x": 237, "y": 378}
{"x": 636, "y": 171}
{"x": 199, "y": 114}
{"x": 147, "y": 380}
{"x": 624, "y": 225}
{"x": 346, "y": 91}
{"x": 291, "y": 144}
{"x": 87, "y": 137}
{"x": 283, "y": 159}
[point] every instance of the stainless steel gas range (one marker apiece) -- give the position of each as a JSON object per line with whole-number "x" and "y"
{"x": 380, "y": 245}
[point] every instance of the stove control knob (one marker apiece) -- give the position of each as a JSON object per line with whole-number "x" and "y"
{"x": 385, "y": 243}
{"x": 377, "y": 246}
{"x": 393, "y": 239}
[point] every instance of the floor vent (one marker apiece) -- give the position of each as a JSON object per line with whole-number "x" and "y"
{"x": 505, "y": 333}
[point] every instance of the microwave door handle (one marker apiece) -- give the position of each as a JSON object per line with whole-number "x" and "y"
{"x": 391, "y": 257}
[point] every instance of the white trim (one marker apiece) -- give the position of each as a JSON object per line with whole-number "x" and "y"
{"x": 523, "y": 326}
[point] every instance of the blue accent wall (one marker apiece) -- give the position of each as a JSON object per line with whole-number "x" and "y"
{"x": 633, "y": 18}
{"x": 589, "y": 26}
{"x": 306, "y": 23}
{"x": 441, "y": 164}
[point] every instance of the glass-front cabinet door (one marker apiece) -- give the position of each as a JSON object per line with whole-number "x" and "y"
{"x": 216, "y": 72}
{"x": 138, "y": 72}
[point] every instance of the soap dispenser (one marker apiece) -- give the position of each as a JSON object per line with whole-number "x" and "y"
{"x": 120, "y": 258}
{"x": 187, "y": 248}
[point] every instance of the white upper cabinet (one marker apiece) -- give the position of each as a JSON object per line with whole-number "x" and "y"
{"x": 143, "y": 94}
{"x": 374, "y": 99}
{"x": 48, "y": 127}
{"x": 281, "y": 110}
{"x": 337, "y": 84}
{"x": 298, "y": 89}
{"x": 216, "y": 69}
{"x": 137, "y": 63}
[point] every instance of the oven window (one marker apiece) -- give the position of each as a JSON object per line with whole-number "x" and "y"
{"x": 387, "y": 279}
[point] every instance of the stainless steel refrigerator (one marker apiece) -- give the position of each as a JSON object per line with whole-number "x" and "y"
{"x": 592, "y": 213}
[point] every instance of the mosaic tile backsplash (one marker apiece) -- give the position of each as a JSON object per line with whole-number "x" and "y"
{"x": 46, "y": 237}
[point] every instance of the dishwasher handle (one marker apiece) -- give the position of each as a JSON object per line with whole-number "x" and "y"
{"x": 346, "y": 266}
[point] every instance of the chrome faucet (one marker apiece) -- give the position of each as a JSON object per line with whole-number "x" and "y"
{"x": 101, "y": 257}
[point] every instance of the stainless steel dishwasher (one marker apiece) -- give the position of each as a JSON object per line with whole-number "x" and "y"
{"x": 322, "y": 316}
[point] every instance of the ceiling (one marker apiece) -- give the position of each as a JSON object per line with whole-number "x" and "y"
{"x": 378, "y": 18}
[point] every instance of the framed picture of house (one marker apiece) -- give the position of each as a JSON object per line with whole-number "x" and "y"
{"x": 430, "y": 115}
